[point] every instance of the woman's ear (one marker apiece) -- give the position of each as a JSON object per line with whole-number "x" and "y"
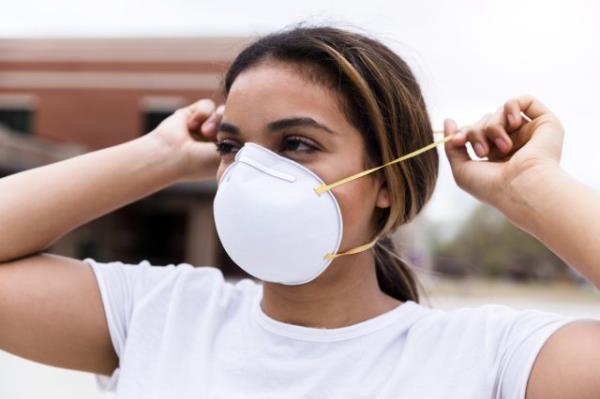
{"x": 383, "y": 197}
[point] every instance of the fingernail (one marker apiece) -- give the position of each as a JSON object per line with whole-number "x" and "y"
{"x": 479, "y": 149}
{"x": 208, "y": 126}
{"x": 511, "y": 119}
{"x": 501, "y": 144}
{"x": 206, "y": 106}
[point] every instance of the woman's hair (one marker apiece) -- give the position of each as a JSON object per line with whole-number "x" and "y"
{"x": 382, "y": 99}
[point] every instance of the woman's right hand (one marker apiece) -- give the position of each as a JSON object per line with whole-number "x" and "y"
{"x": 191, "y": 132}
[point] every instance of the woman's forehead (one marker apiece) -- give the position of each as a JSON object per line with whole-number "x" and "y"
{"x": 275, "y": 90}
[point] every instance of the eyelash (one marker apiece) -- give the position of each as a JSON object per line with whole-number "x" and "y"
{"x": 225, "y": 146}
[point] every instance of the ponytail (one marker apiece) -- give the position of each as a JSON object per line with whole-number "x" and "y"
{"x": 394, "y": 276}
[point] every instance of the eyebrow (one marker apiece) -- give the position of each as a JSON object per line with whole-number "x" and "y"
{"x": 279, "y": 124}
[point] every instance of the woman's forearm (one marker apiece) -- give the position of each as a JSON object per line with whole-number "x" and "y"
{"x": 562, "y": 213}
{"x": 39, "y": 206}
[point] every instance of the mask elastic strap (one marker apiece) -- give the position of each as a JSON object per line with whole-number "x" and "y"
{"x": 355, "y": 250}
{"x": 326, "y": 187}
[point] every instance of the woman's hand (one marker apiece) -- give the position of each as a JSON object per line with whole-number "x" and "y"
{"x": 519, "y": 148}
{"x": 190, "y": 132}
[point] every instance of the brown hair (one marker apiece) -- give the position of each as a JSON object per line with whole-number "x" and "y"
{"x": 383, "y": 100}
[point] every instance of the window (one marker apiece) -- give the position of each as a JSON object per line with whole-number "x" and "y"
{"x": 16, "y": 112}
{"x": 152, "y": 119}
{"x": 18, "y": 120}
{"x": 156, "y": 108}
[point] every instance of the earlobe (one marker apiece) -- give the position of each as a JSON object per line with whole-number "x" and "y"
{"x": 383, "y": 198}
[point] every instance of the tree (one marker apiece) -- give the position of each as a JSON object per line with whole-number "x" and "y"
{"x": 489, "y": 245}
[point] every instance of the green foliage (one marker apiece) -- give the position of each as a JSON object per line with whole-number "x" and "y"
{"x": 489, "y": 245}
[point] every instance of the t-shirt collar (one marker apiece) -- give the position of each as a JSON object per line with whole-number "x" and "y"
{"x": 404, "y": 314}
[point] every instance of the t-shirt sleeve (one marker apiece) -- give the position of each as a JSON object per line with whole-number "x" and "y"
{"x": 121, "y": 285}
{"x": 522, "y": 339}
{"x": 116, "y": 282}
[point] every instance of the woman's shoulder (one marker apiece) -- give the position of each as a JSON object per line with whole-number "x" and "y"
{"x": 142, "y": 301}
{"x": 144, "y": 279}
{"x": 488, "y": 330}
{"x": 491, "y": 317}
{"x": 495, "y": 344}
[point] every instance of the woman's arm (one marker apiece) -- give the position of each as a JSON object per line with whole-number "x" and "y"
{"x": 39, "y": 206}
{"x": 50, "y": 306}
{"x": 523, "y": 179}
{"x": 562, "y": 213}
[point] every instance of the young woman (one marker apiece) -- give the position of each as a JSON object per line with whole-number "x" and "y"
{"x": 335, "y": 313}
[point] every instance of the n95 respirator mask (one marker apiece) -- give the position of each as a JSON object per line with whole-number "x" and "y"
{"x": 278, "y": 220}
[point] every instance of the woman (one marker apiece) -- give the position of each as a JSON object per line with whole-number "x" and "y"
{"x": 304, "y": 107}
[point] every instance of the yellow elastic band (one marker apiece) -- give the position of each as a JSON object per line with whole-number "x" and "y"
{"x": 326, "y": 187}
{"x": 352, "y": 251}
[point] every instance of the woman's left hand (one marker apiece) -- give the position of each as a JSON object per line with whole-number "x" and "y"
{"x": 517, "y": 147}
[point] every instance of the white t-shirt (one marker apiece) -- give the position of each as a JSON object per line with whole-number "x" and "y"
{"x": 184, "y": 332}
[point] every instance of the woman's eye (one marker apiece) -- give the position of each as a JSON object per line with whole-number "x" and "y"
{"x": 294, "y": 144}
{"x": 298, "y": 144}
{"x": 225, "y": 147}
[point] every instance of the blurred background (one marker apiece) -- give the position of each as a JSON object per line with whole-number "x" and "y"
{"x": 77, "y": 77}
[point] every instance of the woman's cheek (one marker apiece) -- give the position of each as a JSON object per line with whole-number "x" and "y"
{"x": 219, "y": 174}
{"x": 356, "y": 205}
{"x": 220, "y": 170}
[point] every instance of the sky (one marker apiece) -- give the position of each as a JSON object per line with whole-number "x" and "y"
{"x": 470, "y": 56}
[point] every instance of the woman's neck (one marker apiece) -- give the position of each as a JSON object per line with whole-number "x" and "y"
{"x": 346, "y": 293}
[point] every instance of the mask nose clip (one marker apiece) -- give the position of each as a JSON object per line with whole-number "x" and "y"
{"x": 268, "y": 170}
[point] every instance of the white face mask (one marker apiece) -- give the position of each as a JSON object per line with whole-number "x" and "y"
{"x": 278, "y": 220}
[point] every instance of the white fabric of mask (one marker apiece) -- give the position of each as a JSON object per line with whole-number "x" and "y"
{"x": 271, "y": 221}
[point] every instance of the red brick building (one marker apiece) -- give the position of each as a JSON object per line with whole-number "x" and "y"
{"x": 62, "y": 97}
